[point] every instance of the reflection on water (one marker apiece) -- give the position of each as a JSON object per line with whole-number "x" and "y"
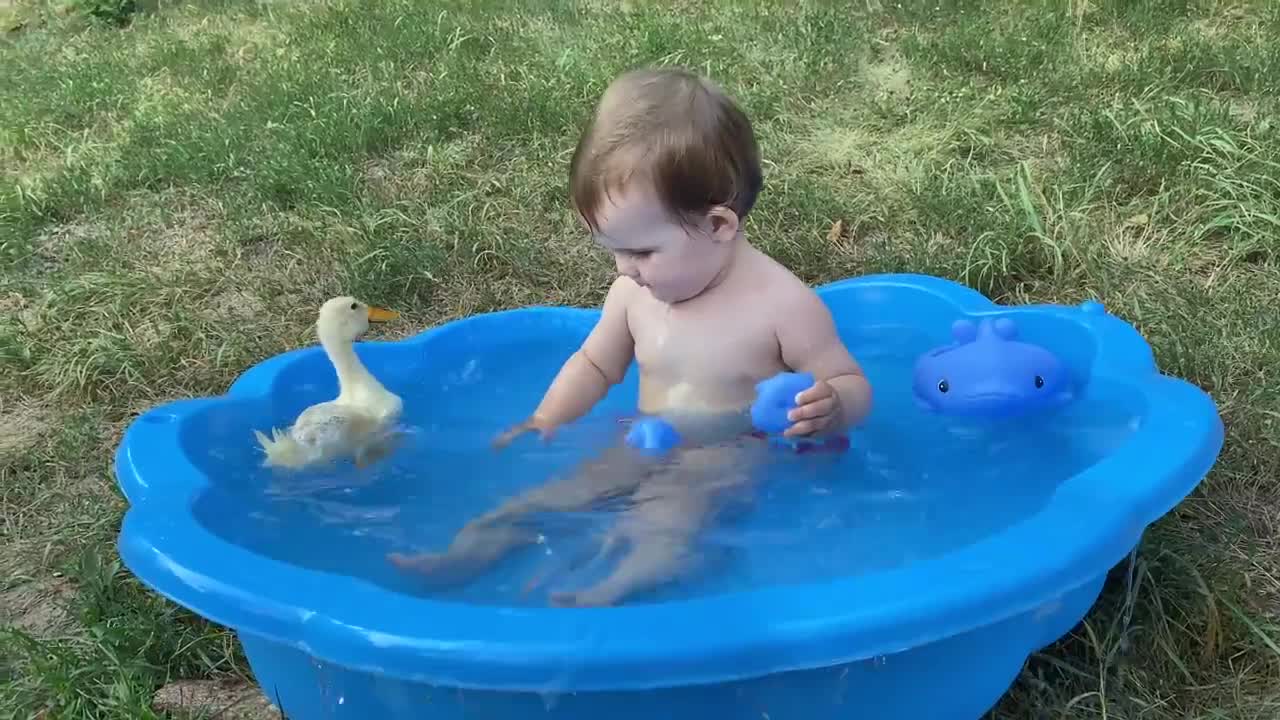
{"x": 911, "y": 487}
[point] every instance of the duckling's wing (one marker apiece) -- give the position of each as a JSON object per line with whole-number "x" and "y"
{"x": 328, "y": 429}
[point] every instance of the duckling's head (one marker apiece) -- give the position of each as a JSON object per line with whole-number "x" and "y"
{"x": 344, "y": 319}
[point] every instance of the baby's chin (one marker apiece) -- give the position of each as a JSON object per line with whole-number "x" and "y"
{"x": 665, "y": 295}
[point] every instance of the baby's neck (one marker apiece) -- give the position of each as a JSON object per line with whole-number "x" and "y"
{"x": 738, "y": 252}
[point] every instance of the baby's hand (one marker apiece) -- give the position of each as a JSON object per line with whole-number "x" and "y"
{"x": 544, "y": 428}
{"x": 817, "y": 409}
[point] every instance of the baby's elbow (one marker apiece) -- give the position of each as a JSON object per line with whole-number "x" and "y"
{"x": 611, "y": 375}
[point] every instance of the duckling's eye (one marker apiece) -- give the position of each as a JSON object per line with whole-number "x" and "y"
{"x": 1039, "y": 382}
{"x": 943, "y": 386}
{"x": 355, "y": 306}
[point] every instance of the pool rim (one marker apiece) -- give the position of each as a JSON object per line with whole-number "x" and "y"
{"x": 362, "y": 626}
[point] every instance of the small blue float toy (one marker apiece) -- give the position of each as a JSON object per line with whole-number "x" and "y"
{"x": 775, "y": 398}
{"x": 987, "y": 372}
{"x": 652, "y": 435}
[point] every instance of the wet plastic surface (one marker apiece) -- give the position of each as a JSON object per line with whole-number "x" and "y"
{"x": 939, "y": 638}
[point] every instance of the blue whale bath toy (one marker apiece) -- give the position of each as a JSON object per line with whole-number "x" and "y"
{"x": 988, "y": 372}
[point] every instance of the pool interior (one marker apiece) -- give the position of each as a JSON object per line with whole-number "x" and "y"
{"x": 912, "y": 486}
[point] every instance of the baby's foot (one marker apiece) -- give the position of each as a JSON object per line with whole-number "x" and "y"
{"x": 439, "y": 567}
{"x": 420, "y": 562}
{"x": 473, "y": 550}
{"x": 591, "y": 597}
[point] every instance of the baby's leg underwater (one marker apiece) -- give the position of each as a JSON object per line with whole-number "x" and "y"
{"x": 474, "y": 549}
{"x": 669, "y": 512}
{"x": 613, "y": 475}
{"x": 660, "y": 532}
{"x": 485, "y": 540}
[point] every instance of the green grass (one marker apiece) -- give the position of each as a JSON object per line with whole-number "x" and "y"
{"x": 178, "y": 195}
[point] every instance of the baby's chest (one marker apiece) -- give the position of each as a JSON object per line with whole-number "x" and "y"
{"x": 698, "y": 345}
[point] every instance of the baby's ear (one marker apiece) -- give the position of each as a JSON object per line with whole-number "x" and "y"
{"x": 723, "y": 222}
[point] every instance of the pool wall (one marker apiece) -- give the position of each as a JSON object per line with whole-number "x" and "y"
{"x": 941, "y": 638}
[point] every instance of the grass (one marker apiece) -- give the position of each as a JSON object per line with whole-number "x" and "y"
{"x": 178, "y": 192}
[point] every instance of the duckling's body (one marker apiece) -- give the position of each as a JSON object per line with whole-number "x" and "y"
{"x": 360, "y": 422}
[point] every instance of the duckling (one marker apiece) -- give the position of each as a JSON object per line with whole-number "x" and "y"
{"x": 359, "y": 422}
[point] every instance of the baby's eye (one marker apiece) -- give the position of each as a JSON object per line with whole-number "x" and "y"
{"x": 1039, "y": 382}
{"x": 943, "y": 386}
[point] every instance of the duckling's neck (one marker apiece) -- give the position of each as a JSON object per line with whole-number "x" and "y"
{"x": 353, "y": 377}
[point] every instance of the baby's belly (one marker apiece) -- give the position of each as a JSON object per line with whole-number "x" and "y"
{"x": 701, "y": 413}
{"x": 657, "y": 396}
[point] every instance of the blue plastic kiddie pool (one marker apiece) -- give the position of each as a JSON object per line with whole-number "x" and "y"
{"x": 1013, "y": 456}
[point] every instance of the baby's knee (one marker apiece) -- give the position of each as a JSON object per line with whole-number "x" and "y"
{"x": 706, "y": 457}
{"x": 672, "y": 519}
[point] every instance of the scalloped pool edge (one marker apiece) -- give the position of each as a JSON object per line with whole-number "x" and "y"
{"x": 358, "y": 626}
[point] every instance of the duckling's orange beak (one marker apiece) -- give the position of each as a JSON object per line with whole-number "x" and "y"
{"x": 377, "y": 314}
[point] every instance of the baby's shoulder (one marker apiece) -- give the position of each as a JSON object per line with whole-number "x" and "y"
{"x": 788, "y": 303}
{"x": 784, "y": 288}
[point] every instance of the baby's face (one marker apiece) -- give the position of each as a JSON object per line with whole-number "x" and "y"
{"x": 675, "y": 261}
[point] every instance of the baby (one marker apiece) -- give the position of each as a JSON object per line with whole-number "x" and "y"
{"x": 664, "y": 179}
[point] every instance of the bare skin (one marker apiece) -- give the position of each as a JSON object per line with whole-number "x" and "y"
{"x": 705, "y": 316}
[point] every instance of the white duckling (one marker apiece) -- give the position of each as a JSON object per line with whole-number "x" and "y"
{"x": 359, "y": 422}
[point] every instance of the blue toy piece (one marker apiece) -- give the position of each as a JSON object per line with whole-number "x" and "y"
{"x": 775, "y": 397}
{"x": 330, "y": 631}
{"x": 652, "y": 435}
{"x": 988, "y": 372}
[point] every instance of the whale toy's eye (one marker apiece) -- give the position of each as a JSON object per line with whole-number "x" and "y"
{"x": 1039, "y": 382}
{"x": 943, "y": 386}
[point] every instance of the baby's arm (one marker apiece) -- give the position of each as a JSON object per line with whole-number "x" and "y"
{"x": 587, "y": 375}
{"x": 807, "y": 336}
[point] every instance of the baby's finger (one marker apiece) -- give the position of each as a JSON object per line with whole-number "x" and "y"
{"x": 819, "y": 408}
{"x": 802, "y": 428}
{"x": 817, "y": 391}
{"x": 504, "y": 439}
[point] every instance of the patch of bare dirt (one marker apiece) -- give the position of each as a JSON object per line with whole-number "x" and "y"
{"x": 234, "y": 304}
{"x": 22, "y": 424}
{"x": 222, "y": 699}
{"x": 19, "y": 306}
{"x": 64, "y": 243}
{"x": 393, "y": 179}
{"x": 38, "y": 607}
{"x": 165, "y": 234}
{"x": 889, "y": 75}
{"x": 186, "y": 237}
{"x": 1224, "y": 23}
{"x": 413, "y": 172}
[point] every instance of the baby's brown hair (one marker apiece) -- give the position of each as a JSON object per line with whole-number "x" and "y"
{"x": 678, "y": 131}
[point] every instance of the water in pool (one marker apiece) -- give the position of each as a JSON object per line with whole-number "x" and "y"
{"x": 910, "y": 487}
